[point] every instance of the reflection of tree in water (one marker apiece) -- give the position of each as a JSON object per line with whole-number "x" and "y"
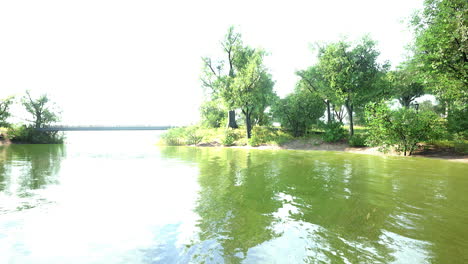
{"x": 333, "y": 194}
{"x": 34, "y": 166}
{"x": 432, "y": 208}
{"x": 3, "y": 168}
{"x": 356, "y": 208}
{"x": 235, "y": 205}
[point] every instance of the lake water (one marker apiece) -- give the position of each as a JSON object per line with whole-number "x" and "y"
{"x": 115, "y": 197}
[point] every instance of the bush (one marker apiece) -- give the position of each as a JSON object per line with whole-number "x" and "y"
{"x": 357, "y": 140}
{"x": 333, "y": 131}
{"x": 174, "y": 137}
{"x": 460, "y": 145}
{"x": 27, "y": 134}
{"x": 402, "y": 128}
{"x": 229, "y": 137}
{"x": 179, "y": 136}
{"x": 298, "y": 111}
{"x": 193, "y": 135}
{"x": 457, "y": 122}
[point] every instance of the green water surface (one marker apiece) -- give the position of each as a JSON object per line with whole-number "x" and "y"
{"x": 138, "y": 203}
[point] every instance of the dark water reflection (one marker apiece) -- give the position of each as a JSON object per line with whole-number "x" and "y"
{"x": 102, "y": 203}
{"x": 27, "y": 168}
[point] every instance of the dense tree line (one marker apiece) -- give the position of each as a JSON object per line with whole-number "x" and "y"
{"x": 348, "y": 84}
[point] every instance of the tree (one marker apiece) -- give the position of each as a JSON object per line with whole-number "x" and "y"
{"x": 353, "y": 73}
{"x": 405, "y": 86}
{"x": 212, "y": 114}
{"x": 5, "y": 110}
{"x": 403, "y": 128}
{"x": 219, "y": 78}
{"x": 41, "y": 109}
{"x": 298, "y": 111}
{"x": 441, "y": 48}
{"x": 312, "y": 80}
{"x": 252, "y": 88}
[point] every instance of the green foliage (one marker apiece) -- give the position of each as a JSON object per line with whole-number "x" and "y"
{"x": 298, "y": 111}
{"x": 461, "y": 143}
{"x": 229, "y": 137}
{"x": 457, "y": 122}
{"x": 405, "y": 85}
{"x": 402, "y": 128}
{"x": 333, "y": 132}
{"x": 428, "y": 106}
{"x": 212, "y": 114}
{"x": 192, "y": 135}
{"x": 41, "y": 109}
{"x": 441, "y": 47}
{"x": 179, "y": 136}
{"x": 218, "y": 75}
{"x": 28, "y": 134}
{"x": 358, "y": 140}
{"x": 174, "y": 136}
{"x": 353, "y": 74}
{"x": 268, "y": 135}
{"x": 5, "y": 111}
{"x": 241, "y": 81}
{"x": 252, "y": 89}
{"x": 458, "y": 143}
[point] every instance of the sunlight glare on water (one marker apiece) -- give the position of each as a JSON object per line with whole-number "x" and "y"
{"x": 116, "y": 197}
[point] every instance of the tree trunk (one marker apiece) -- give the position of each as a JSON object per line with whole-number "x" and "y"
{"x": 248, "y": 124}
{"x": 38, "y": 122}
{"x": 349, "y": 109}
{"x": 328, "y": 111}
{"x": 232, "y": 119}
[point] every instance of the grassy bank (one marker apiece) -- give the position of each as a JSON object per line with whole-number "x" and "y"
{"x": 196, "y": 135}
{"x": 315, "y": 139}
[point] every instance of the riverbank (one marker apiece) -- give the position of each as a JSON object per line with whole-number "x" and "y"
{"x": 310, "y": 145}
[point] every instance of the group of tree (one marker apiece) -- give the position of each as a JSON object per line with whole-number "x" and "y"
{"x": 349, "y": 83}
{"x": 42, "y": 113}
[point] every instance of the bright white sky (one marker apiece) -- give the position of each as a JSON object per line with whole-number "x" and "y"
{"x": 139, "y": 62}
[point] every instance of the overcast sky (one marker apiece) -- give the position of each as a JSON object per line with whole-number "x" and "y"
{"x": 138, "y": 62}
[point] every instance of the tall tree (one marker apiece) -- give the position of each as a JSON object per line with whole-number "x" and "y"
{"x": 441, "y": 47}
{"x": 352, "y": 72}
{"x": 312, "y": 80}
{"x": 5, "y": 110}
{"x": 219, "y": 75}
{"x": 252, "y": 88}
{"x": 41, "y": 109}
{"x": 405, "y": 85}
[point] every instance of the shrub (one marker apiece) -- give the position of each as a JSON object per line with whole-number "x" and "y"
{"x": 333, "y": 131}
{"x": 460, "y": 144}
{"x": 357, "y": 140}
{"x": 402, "y": 128}
{"x": 27, "y": 134}
{"x": 457, "y": 122}
{"x": 298, "y": 111}
{"x": 174, "y": 136}
{"x": 192, "y": 135}
{"x": 229, "y": 137}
